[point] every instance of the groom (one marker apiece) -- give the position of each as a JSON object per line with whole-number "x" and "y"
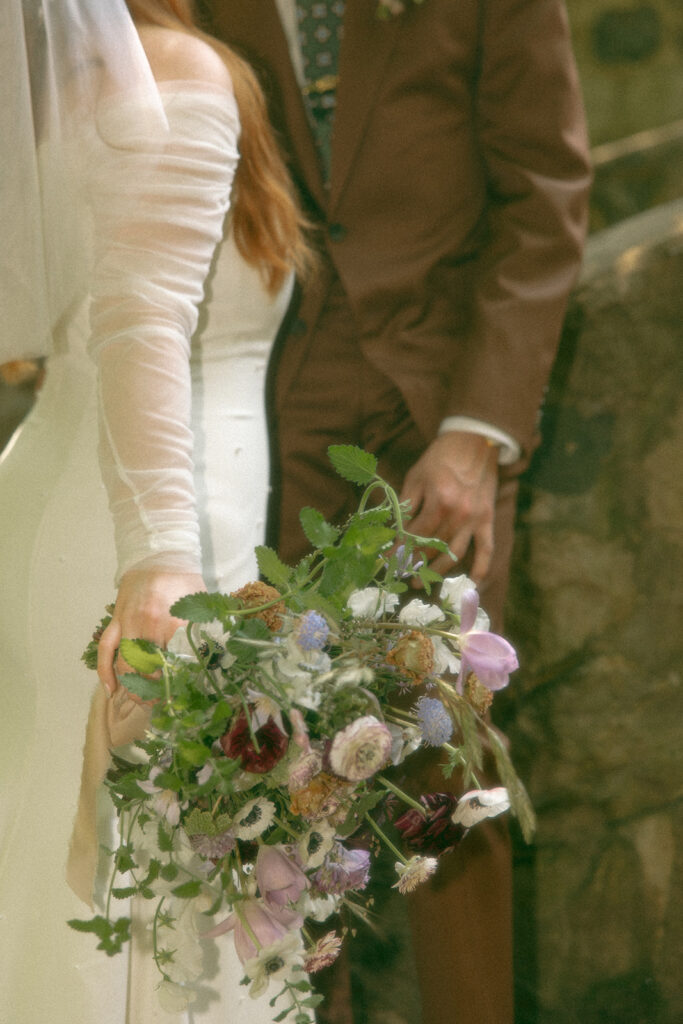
{"x": 439, "y": 149}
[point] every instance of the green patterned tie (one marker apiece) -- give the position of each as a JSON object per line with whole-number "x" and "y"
{"x": 320, "y": 33}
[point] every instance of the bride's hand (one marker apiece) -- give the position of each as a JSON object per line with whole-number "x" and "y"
{"x": 142, "y": 612}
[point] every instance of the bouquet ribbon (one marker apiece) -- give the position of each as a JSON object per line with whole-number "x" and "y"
{"x": 112, "y": 722}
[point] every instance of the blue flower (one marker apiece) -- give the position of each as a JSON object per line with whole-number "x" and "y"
{"x": 312, "y": 632}
{"x": 434, "y": 721}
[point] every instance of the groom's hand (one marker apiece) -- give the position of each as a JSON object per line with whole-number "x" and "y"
{"x": 452, "y": 492}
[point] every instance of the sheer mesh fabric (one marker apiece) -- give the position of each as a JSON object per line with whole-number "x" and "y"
{"x": 158, "y": 214}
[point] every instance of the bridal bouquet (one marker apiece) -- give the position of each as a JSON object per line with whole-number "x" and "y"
{"x": 269, "y": 773}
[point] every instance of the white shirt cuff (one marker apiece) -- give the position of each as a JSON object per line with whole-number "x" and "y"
{"x": 508, "y": 449}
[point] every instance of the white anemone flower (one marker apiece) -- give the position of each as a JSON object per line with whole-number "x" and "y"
{"x": 275, "y": 961}
{"x": 253, "y": 819}
{"x": 316, "y": 844}
{"x": 479, "y": 804}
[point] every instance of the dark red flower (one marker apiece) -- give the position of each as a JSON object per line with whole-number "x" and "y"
{"x": 238, "y": 743}
{"x": 434, "y": 833}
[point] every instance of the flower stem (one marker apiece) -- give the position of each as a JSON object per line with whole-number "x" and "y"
{"x": 385, "y": 839}
{"x": 401, "y": 795}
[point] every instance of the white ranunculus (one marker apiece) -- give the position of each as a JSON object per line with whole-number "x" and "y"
{"x": 418, "y": 613}
{"x": 361, "y": 749}
{"x": 371, "y": 603}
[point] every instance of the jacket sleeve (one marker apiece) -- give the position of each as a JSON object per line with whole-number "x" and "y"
{"x": 532, "y": 138}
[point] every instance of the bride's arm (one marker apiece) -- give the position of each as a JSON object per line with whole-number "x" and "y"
{"x": 159, "y": 213}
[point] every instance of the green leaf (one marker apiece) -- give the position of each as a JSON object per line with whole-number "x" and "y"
{"x": 193, "y": 752}
{"x": 352, "y": 463}
{"x": 169, "y": 872}
{"x": 313, "y": 599}
{"x": 433, "y": 543}
{"x": 319, "y": 532}
{"x": 99, "y": 926}
{"x": 142, "y": 687}
{"x": 202, "y": 823}
{"x": 358, "y": 810}
{"x": 519, "y": 798}
{"x": 89, "y": 655}
{"x": 164, "y": 838}
{"x": 281, "y": 1016}
{"x": 142, "y": 655}
{"x": 188, "y": 890}
{"x": 271, "y": 568}
{"x": 203, "y": 607}
{"x": 124, "y": 892}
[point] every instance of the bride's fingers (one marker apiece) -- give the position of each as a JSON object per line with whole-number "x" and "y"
{"x": 106, "y": 653}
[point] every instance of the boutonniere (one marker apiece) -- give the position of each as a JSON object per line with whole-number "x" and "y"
{"x": 392, "y": 8}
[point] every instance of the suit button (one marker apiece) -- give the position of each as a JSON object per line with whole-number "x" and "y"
{"x": 337, "y": 232}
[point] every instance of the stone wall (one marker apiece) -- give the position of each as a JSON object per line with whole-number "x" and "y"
{"x": 595, "y": 611}
{"x": 630, "y": 57}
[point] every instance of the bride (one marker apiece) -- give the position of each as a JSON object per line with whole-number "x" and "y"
{"x": 142, "y": 471}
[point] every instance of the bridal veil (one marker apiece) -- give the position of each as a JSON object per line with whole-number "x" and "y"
{"x": 62, "y": 61}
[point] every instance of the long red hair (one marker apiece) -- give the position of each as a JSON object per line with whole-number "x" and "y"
{"x": 266, "y": 221}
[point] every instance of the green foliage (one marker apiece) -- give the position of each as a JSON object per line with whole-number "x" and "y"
{"x": 318, "y": 531}
{"x": 271, "y": 568}
{"x": 353, "y": 464}
{"x": 203, "y": 607}
{"x": 142, "y": 655}
{"x": 186, "y": 830}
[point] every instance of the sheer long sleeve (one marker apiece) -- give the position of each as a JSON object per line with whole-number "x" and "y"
{"x": 158, "y": 216}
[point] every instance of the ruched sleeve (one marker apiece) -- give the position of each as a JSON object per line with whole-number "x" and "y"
{"x": 159, "y": 211}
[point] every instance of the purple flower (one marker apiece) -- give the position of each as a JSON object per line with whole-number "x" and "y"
{"x": 488, "y": 655}
{"x": 433, "y": 832}
{"x": 255, "y": 921}
{"x": 361, "y": 749}
{"x": 435, "y": 723}
{"x": 343, "y": 869}
{"x": 312, "y": 632}
{"x": 280, "y": 880}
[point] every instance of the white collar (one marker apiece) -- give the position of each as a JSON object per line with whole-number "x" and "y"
{"x": 290, "y": 24}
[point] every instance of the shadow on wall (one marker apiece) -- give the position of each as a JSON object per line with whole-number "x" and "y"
{"x": 595, "y": 611}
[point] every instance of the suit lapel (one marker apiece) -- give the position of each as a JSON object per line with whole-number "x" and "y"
{"x": 365, "y": 50}
{"x": 255, "y": 28}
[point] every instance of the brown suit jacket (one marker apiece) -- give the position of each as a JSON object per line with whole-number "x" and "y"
{"x": 456, "y": 210}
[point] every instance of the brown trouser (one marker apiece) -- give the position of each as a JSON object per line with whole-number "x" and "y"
{"x": 461, "y": 922}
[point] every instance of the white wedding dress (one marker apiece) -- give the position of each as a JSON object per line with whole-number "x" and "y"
{"x": 58, "y": 552}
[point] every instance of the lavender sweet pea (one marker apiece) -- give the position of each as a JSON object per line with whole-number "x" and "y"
{"x": 280, "y": 880}
{"x": 488, "y": 655}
